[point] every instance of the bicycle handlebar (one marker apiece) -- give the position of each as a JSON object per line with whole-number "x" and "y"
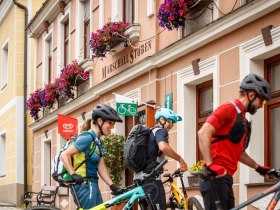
{"x": 157, "y": 170}
{"x": 206, "y": 174}
{"x": 274, "y": 174}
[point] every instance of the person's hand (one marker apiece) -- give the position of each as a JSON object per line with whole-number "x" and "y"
{"x": 183, "y": 165}
{"x": 217, "y": 170}
{"x": 77, "y": 178}
{"x": 115, "y": 189}
{"x": 262, "y": 170}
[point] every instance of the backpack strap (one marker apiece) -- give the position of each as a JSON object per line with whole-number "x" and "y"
{"x": 223, "y": 137}
{"x": 91, "y": 151}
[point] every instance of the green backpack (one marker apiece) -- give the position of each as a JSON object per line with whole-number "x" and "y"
{"x": 78, "y": 160}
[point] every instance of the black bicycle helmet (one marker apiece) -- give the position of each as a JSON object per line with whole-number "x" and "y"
{"x": 258, "y": 84}
{"x": 106, "y": 113}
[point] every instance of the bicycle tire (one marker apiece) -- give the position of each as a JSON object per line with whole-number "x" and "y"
{"x": 42, "y": 208}
{"x": 193, "y": 203}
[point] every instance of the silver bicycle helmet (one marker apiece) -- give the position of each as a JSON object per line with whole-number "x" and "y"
{"x": 258, "y": 84}
{"x": 106, "y": 113}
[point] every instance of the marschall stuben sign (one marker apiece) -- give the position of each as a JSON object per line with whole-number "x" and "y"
{"x": 127, "y": 58}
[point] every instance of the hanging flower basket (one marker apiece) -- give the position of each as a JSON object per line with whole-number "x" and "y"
{"x": 62, "y": 87}
{"x": 103, "y": 40}
{"x": 193, "y": 181}
{"x": 73, "y": 72}
{"x": 34, "y": 104}
{"x": 172, "y": 13}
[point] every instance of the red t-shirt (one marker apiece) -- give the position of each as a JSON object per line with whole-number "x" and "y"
{"x": 224, "y": 152}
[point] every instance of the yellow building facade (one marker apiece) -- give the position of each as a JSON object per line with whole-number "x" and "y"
{"x": 13, "y": 81}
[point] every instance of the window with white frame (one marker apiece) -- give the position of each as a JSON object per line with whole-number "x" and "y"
{"x": 204, "y": 94}
{"x": 4, "y": 70}
{"x": 272, "y": 112}
{"x": 2, "y": 155}
{"x": 49, "y": 61}
{"x": 129, "y": 11}
{"x": 66, "y": 43}
{"x": 125, "y": 10}
{"x": 46, "y": 164}
{"x": 86, "y": 29}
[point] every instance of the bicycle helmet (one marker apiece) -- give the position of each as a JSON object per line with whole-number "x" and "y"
{"x": 167, "y": 114}
{"x": 258, "y": 84}
{"x": 106, "y": 113}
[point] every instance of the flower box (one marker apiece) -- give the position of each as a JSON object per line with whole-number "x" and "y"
{"x": 132, "y": 34}
{"x": 103, "y": 38}
{"x": 193, "y": 181}
{"x": 172, "y": 13}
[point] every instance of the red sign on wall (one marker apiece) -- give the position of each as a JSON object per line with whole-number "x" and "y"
{"x": 67, "y": 126}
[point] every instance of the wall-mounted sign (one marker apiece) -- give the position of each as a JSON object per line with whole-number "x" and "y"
{"x": 67, "y": 126}
{"x": 126, "y": 106}
{"x": 128, "y": 58}
{"x": 168, "y": 101}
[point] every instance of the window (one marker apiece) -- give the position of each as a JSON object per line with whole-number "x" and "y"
{"x": 66, "y": 43}
{"x": 272, "y": 113}
{"x": 4, "y": 72}
{"x": 129, "y": 11}
{"x": 2, "y": 155}
{"x": 49, "y": 65}
{"x": 46, "y": 162}
{"x": 204, "y": 94}
{"x": 86, "y": 29}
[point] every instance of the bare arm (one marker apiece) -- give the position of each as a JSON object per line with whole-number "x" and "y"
{"x": 66, "y": 158}
{"x": 247, "y": 160}
{"x": 167, "y": 150}
{"x": 103, "y": 172}
{"x": 204, "y": 137}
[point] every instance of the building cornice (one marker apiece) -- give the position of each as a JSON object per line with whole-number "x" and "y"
{"x": 48, "y": 12}
{"x": 208, "y": 34}
{"x": 5, "y": 7}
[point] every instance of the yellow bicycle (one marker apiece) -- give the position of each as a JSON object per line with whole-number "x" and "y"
{"x": 178, "y": 199}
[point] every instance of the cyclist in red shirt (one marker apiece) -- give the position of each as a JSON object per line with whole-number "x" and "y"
{"x": 224, "y": 137}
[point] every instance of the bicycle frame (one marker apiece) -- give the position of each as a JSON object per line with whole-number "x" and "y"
{"x": 275, "y": 188}
{"x": 133, "y": 196}
{"x": 178, "y": 194}
{"x": 135, "y": 192}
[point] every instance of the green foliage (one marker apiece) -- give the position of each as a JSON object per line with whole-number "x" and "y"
{"x": 114, "y": 144}
{"x": 197, "y": 167}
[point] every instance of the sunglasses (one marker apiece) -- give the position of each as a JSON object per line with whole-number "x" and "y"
{"x": 110, "y": 122}
{"x": 171, "y": 122}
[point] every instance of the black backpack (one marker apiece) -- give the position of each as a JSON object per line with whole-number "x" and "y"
{"x": 135, "y": 148}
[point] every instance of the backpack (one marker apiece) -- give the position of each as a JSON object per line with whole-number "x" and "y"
{"x": 135, "y": 148}
{"x": 237, "y": 131}
{"x": 58, "y": 169}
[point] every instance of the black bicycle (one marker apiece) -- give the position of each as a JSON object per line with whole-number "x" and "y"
{"x": 272, "y": 174}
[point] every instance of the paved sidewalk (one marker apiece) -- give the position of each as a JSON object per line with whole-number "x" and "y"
{"x": 8, "y": 206}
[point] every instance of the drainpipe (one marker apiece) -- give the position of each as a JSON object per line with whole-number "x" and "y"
{"x": 24, "y": 94}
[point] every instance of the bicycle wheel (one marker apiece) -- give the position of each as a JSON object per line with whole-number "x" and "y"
{"x": 193, "y": 203}
{"x": 42, "y": 208}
